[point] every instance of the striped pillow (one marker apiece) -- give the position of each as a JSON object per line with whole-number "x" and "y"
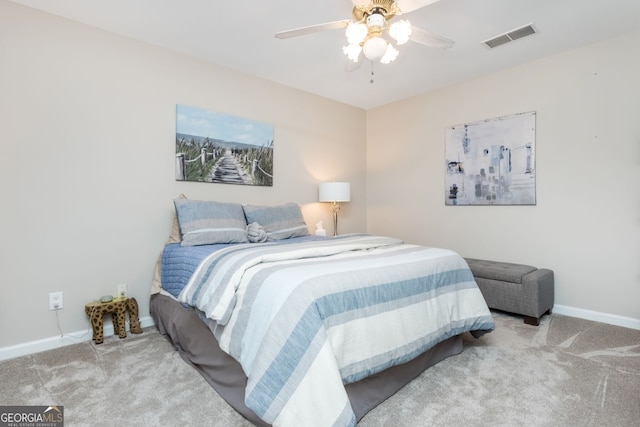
{"x": 280, "y": 222}
{"x": 207, "y": 223}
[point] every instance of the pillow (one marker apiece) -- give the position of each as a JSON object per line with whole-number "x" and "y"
{"x": 280, "y": 222}
{"x": 207, "y": 223}
{"x": 174, "y": 236}
{"x": 156, "y": 283}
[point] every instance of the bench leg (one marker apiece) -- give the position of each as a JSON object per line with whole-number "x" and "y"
{"x": 535, "y": 321}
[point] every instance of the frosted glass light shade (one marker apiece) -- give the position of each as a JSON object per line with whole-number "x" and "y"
{"x": 390, "y": 55}
{"x": 352, "y": 51}
{"x": 334, "y": 192}
{"x": 356, "y": 32}
{"x": 374, "y": 48}
{"x": 400, "y": 31}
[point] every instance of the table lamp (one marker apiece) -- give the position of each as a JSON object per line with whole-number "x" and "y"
{"x": 334, "y": 192}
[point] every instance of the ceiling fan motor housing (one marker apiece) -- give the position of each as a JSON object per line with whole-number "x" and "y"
{"x": 375, "y": 20}
{"x": 386, "y": 8}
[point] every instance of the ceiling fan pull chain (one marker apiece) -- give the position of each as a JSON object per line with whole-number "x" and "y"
{"x": 371, "y": 81}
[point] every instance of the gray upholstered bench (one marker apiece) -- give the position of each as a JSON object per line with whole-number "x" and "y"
{"x": 514, "y": 288}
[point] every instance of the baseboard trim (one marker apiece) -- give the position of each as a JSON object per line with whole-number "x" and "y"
{"x": 596, "y": 316}
{"x": 60, "y": 341}
{"x": 80, "y": 336}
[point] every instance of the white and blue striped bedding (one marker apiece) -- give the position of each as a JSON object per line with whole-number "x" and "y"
{"x": 179, "y": 262}
{"x": 305, "y": 318}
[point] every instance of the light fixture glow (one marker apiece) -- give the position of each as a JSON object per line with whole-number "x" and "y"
{"x": 356, "y": 32}
{"x": 373, "y": 37}
{"x": 390, "y": 54}
{"x": 352, "y": 51}
{"x": 374, "y": 48}
{"x": 334, "y": 192}
{"x": 400, "y": 31}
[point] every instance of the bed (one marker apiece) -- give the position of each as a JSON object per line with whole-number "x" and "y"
{"x": 293, "y": 329}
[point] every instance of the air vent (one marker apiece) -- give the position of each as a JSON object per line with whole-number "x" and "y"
{"x": 512, "y": 35}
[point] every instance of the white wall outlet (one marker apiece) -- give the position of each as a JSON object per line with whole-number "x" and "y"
{"x": 55, "y": 301}
{"x": 122, "y": 291}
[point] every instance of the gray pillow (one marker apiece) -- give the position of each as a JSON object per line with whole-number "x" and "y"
{"x": 280, "y": 222}
{"x": 207, "y": 223}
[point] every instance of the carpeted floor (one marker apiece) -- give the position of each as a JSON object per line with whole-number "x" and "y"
{"x": 567, "y": 372}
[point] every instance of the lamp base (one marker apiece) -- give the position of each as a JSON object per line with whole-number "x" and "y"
{"x": 335, "y": 207}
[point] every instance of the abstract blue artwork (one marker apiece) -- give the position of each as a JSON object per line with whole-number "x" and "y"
{"x": 491, "y": 162}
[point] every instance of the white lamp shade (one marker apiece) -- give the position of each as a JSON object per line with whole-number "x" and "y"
{"x": 334, "y": 192}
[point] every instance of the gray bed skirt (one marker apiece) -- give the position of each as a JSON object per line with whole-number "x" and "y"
{"x": 193, "y": 339}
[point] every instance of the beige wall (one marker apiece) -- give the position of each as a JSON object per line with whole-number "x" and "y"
{"x": 586, "y": 224}
{"x": 87, "y": 161}
{"x": 87, "y": 155}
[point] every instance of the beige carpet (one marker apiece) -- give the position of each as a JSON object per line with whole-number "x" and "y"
{"x": 567, "y": 372}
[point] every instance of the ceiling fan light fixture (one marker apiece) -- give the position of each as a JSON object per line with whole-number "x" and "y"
{"x": 390, "y": 54}
{"x": 370, "y": 35}
{"x": 356, "y": 32}
{"x": 375, "y": 20}
{"x": 352, "y": 51}
{"x": 374, "y": 48}
{"x": 400, "y": 31}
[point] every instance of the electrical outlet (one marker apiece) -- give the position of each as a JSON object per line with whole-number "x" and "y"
{"x": 55, "y": 301}
{"x": 122, "y": 291}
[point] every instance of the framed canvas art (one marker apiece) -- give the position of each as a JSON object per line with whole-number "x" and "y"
{"x": 219, "y": 148}
{"x": 491, "y": 162}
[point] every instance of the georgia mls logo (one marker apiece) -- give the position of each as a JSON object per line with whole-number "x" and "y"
{"x": 57, "y": 412}
{"x": 31, "y": 416}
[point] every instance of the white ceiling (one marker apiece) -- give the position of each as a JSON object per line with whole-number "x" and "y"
{"x": 240, "y": 35}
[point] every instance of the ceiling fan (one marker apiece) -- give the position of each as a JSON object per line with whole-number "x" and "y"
{"x": 369, "y": 33}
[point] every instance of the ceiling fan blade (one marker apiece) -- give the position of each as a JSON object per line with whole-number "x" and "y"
{"x": 312, "y": 29}
{"x": 352, "y": 66}
{"x": 407, "y": 6}
{"x": 430, "y": 39}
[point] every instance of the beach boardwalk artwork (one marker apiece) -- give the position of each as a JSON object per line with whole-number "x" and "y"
{"x": 220, "y": 148}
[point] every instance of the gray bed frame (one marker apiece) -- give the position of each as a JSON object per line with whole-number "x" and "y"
{"x": 193, "y": 339}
